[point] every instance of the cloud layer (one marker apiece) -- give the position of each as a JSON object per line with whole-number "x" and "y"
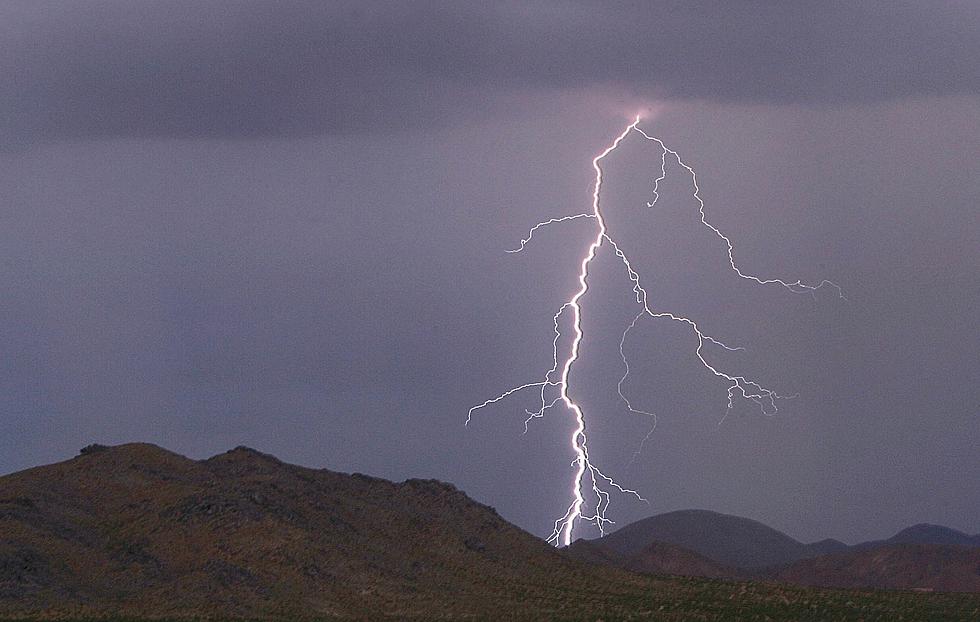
{"x": 264, "y": 68}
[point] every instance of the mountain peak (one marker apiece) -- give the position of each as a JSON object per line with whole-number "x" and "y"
{"x": 137, "y": 455}
{"x": 243, "y": 452}
{"x": 124, "y": 449}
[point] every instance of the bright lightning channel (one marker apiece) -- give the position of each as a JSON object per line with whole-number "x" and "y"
{"x": 557, "y": 377}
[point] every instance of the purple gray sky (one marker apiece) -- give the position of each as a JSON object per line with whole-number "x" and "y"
{"x": 283, "y": 224}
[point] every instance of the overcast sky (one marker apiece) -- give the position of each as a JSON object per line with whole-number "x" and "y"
{"x": 283, "y": 224}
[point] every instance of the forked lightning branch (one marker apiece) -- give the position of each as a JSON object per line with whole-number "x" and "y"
{"x": 591, "y": 488}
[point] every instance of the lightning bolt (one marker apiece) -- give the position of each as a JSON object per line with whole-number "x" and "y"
{"x": 587, "y": 476}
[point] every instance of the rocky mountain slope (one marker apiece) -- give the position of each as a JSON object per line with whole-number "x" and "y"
{"x": 126, "y": 528}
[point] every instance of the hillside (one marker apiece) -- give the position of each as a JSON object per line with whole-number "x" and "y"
{"x": 729, "y": 540}
{"x": 893, "y": 566}
{"x": 657, "y": 558}
{"x": 699, "y": 543}
{"x": 126, "y": 528}
{"x": 141, "y": 532}
{"x": 925, "y": 533}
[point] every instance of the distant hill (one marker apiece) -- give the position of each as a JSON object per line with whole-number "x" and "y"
{"x": 726, "y": 539}
{"x": 925, "y": 533}
{"x": 138, "y": 532}
{"x": 891, "y": 566}
{"x": 709, "y": 544}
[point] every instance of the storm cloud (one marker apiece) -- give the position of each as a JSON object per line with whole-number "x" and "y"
{"x": 185, "y": 68}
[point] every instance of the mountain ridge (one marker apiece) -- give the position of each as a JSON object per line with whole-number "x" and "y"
{"x": 711, "y": 544}
{"x": 924, "y": 533}
{"x": 139, "y": 532}
{"x": 120, "y": 528}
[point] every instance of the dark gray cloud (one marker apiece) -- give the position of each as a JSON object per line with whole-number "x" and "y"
{"x": 239, "y": 69}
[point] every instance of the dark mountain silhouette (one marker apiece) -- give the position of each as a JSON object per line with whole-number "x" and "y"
{"x": 726, "y": 539}
{"x": 139, "y": 532}
{"x": 925, "y": 533}
{"x": 708, "y": 544}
